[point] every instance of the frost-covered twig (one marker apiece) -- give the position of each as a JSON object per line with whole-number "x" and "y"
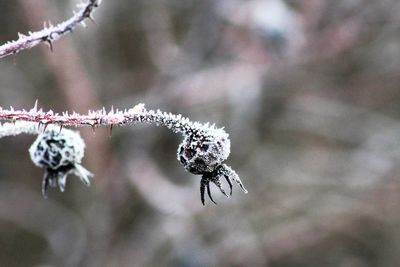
{"x": 138, "y": 113}
{"x": 49, "y": 33}
{"x": 202, "y": 152}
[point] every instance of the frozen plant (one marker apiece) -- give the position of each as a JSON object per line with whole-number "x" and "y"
{"x": 202, "y": 152}
{"x": 60, "y": 151}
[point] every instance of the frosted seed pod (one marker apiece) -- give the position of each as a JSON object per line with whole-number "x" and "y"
{"x": 60, "y": 152}
{"x": 203, "y": 153}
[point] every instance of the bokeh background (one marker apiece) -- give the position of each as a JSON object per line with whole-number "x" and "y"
{"x": 308, "y": 90}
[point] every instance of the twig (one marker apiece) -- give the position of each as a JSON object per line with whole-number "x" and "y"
{"x": 49, "y": 33}
{"x": 138, "y": 113}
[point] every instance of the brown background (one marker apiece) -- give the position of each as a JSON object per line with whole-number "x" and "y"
{"x": 308, "y": 90}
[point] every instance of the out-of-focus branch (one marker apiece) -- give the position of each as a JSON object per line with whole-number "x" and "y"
{"x": 49, "y": 33}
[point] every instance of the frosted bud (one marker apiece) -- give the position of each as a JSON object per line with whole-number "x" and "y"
{"x": 201, "y": 153}
{"x": 60, "y": 153}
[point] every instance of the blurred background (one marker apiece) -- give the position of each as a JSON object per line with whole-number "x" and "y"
{"x": 308, "y": 90}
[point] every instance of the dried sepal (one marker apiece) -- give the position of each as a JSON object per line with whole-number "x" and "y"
{"x": 215, "y": 177}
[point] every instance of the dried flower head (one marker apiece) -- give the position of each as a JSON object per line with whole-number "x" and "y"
{"x": 202, "y": 152}
{"x": 60, "y": 152}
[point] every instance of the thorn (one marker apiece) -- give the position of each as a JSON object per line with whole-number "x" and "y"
{"x": 111, "y": 128}
{"x": 36, "y": 105}
{"x": 45, "y": 126}
{"x": 61, "y": 127}
{"x": 20, "y": 35}
{"x": 50, "y": 44}
{"x": 92, "y": 19}
{"x": 94, "y": 129}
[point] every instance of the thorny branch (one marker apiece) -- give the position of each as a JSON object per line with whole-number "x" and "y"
{"x": 202, "y": 152}
{"x": 49, "y": 33}
{"x": 138, "y": 113}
